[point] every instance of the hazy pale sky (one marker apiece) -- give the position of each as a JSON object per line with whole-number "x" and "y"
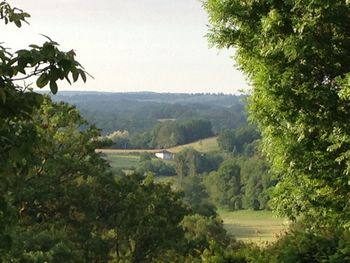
{"x": 131, "y": 45}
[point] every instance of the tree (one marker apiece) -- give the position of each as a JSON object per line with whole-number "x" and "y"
{"x": 228, "y": 183}
{"x": 238, "y": 139}
{"x": 226, "y": 140}
{"x": 256, "y": 181}
{"x": 171, "y": 133}
{"x": 71, "y": 208}
{"x": 296, "y": 55}
{"x": 61, "y": 194}
{"x": 146, "y": 218}
{"x": 190, "y": 162}
{"x": 157, "y": 167}
{"x": 187, "y": 162}
{"x": 167, "y": 134}
{"x": 201, "y": 232}
{"x": 47, "y": 64}
{"x": 196, "y": 196}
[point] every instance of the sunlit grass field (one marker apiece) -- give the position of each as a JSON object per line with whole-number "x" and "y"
{"x": 204, "y": 146}
{"x": 253, "y": 226}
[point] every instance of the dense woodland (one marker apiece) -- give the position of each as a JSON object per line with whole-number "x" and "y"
{"x": 61, "y": 202}
{"x": 155, "y": 120}
{"x": 141, "y": 111}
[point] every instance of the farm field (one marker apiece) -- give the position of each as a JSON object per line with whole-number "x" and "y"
{"x": 130, "y": 158}
{"x": 258, "y": 227}
{"x": 204, "y": 145}
{"x": 127, "y": 161}
{"x": 126, "y": 151}
{"x": 123, "y": 161}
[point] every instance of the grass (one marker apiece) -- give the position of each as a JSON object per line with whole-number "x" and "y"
{"x": 129, "y": 162}
{"x": 126, "y": 151}
{"x": 253, "y": 226}
{"x": 123, "y": 161}
{"x": 164, "y": 120}
{"x": 204, "y": 146}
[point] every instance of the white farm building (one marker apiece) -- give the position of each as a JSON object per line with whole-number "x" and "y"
{"x": 165, "y": 155}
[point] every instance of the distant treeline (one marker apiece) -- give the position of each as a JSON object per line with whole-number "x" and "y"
{"x": 163, "y": 135}
{"x": 141, "y": 111}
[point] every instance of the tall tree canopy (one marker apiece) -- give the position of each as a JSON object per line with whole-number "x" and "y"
{"x": 297, "y": 57}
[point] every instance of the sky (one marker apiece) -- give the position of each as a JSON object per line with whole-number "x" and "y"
{"x": 132, "y": 45}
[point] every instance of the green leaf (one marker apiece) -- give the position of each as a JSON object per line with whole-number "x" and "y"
{"x": 42, "y": 80}
{"x": 53, "y": 87}
{"x": 18, "y": 23}
{"x": 83, "y": 75}
{"x": 68, "y": 80}
{"x": 34, "y": 46}
{"x": 24, "y": 14}
{"x": 75, "y": 74}
{"x": 3, "y": 96}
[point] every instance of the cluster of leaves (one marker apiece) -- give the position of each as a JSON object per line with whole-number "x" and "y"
{"x": 47, "y": 63}
{"x": 17, "y": 105}
{"x": 12, "y": 15}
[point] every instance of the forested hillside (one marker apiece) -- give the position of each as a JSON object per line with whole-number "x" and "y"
{"x": 141, "y": 111}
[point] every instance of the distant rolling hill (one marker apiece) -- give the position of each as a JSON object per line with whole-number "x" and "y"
{"x": 141, "y": 111}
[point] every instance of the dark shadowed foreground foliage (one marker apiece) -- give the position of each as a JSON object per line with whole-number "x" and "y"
{"x": 59, "y": 202}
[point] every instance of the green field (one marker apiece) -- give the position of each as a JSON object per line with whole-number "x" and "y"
{"x": 204, "y": 145}
{"x": 130, "y": 158}
{"x": 253, "y": 226}
{"x": 123, "y": 161}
